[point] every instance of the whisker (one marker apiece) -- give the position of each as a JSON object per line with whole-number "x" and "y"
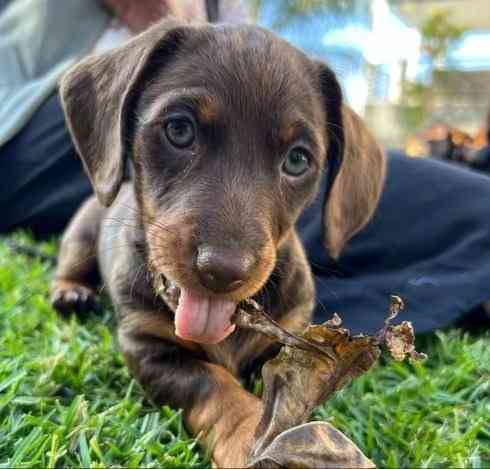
{"x": 133, "y": 283}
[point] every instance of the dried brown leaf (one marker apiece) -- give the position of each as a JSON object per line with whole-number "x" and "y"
{"x": 309, "y": 369}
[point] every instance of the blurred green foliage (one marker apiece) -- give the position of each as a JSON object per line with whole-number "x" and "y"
{"x": 439, "y": 33}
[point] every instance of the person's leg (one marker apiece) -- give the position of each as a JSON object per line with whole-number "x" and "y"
{"x": 428, "y": 243}
{"x": 42, "y": 177}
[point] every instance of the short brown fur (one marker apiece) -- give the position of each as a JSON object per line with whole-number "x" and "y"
{"x": 230, "y": 190}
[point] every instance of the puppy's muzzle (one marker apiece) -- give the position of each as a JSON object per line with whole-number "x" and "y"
{"x": 223, "y": 269}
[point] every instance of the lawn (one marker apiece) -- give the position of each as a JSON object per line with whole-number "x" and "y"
{"x": 66, "y": 398}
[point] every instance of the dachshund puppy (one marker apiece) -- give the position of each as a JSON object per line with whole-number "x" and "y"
{"x": 228, "y": 130}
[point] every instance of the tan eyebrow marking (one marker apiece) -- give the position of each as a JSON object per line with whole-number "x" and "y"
{"x": 208, "y": 109}
{"x": 288, "y": 133}
{"x": 195, "y": 95}
{"x": 291, "y": 131}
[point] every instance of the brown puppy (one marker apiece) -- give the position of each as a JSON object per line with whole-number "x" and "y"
{"x": 229, "y": 130}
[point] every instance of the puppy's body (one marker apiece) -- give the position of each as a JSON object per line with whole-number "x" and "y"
{"x": 202, "y": 379}
{"x": 229, "y": 130}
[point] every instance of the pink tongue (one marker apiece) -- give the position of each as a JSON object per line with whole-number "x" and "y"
{"x": 203, "y": 319}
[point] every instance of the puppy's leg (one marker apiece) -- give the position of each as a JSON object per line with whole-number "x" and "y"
{"x": 73, "y": 289}
{"x": 216, "y": 408}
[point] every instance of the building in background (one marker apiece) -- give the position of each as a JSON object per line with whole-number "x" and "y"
{"x": 376, "y": 48}
{"x": 459, "y": 81}
{"x": 369, "y": 47}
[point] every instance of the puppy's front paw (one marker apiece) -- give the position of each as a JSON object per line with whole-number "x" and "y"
{"x": 234, "y": 450}
{"x": 72, "y": 297}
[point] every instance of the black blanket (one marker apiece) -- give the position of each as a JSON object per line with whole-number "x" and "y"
{"x": 429, "y": 242}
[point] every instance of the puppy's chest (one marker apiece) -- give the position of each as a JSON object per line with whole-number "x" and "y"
{"x": 242, "y": 353}
{"x": 120, "y": 246}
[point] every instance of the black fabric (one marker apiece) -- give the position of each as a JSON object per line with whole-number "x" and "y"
{"x": 212, "y": 10}
{"x": 481, "y": 160}
{"x": 429, "y": 242}
{"x": 4, "y": 3}
{"x": 42, "y": 179}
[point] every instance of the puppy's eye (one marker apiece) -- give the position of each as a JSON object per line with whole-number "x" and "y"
{"x": 297, "y": 162}
{"x": 180, "y": 132}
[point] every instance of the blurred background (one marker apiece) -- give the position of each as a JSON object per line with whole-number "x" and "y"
{"x": 417, "y": 70}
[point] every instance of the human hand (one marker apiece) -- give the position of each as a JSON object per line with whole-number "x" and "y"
{"x": 138, "y": 15}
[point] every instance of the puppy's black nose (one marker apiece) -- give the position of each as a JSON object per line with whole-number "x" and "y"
{"x": 223, "y": 270}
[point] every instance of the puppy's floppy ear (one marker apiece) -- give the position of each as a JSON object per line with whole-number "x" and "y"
{"x": 359, "y": 165}
{"x": 97, "y": 96}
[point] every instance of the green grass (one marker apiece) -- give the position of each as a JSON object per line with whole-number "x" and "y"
{"x": 66, "y": 398}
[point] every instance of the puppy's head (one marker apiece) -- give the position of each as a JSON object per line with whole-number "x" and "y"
{"x": 230, "y": 130}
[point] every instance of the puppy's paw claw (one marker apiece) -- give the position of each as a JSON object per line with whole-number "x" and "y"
{"x": 70, "y": 297}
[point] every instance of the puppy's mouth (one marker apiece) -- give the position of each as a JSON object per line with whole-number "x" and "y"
{"x": 198, "y": 318}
